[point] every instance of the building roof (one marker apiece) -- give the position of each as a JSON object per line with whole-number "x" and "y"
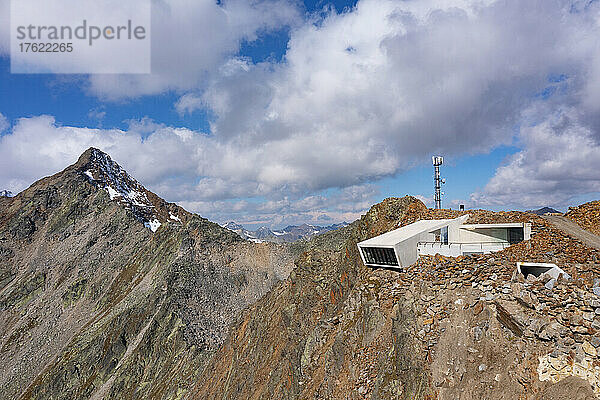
{"x": 406, "y": 232}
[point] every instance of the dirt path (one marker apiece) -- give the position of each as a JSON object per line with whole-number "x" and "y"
{"x": 571, "y": 228}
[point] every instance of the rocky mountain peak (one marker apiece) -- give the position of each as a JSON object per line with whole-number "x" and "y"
{"x": 88, "y": 295}
{"x": 102, "y": 171}
{"x": 233, "y": 226}
{"x": 544, "y": 210}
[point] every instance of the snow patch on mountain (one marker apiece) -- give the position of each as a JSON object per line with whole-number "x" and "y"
{"x": 112, "y": 192}
{"x": 89, "y": 174}
{"x": 153, "y": 225}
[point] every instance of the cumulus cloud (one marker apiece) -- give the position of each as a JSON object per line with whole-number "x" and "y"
{"x": 176, "y": 163}
{"x": 189, "y": 103}
{"x": 359, "y": 95}
{"x": 192, "y": 39}
{"x": 370, "y": 92}
{"x": 559, "y": 161}
{"x": 321, "y": 208}
{"x": 35, "y": 139}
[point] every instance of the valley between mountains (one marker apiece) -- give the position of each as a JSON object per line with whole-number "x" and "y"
{"x": 109, "y": 292}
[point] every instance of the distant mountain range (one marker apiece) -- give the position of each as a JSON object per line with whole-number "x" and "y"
{"x": 288, "y": 234}
{"x": 544, "y": 210}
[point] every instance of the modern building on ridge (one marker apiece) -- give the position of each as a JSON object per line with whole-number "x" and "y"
{"x": 448, "y": 237}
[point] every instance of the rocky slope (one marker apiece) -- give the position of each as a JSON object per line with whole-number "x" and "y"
{"x": 587, "y": 216}
{"x": 107, "y": 291}
{"x": 445, "y": 328}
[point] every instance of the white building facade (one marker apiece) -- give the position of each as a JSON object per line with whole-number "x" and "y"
{"x": 448, "y": 237}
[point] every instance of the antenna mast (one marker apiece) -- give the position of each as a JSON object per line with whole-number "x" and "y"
{"x": 437, "y": 161}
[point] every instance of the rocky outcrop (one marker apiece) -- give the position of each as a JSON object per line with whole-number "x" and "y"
{"x": 144, "y": 205}
{"x": 587, "y": 216}
{"x": 96, "y": 302}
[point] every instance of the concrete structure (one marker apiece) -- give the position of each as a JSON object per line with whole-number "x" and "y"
{"x": 538, "y": 269}
{"x": 448, "y": 237}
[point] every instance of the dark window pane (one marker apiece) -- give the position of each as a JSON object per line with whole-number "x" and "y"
{"x": 515, "y": 235}
{"x": 379, "y": 256}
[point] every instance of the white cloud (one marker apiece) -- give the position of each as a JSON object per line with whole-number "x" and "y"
{"x": 359, "y": 95}
{"x": 189, "y": 103}
{"x": 191, "y": 39}
{"x": 559, "y": 161}
{"x": 178, "y": 164}
{"x": 369, "y": 93}
{"x": 324, "y": 208}
{"x": 428, "y": 201}
{"x": 4, "y": 124}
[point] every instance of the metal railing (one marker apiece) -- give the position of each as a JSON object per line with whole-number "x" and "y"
{"x": 463, "y": 247}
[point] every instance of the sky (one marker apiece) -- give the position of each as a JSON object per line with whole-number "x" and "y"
{"x": 279, "y": 112}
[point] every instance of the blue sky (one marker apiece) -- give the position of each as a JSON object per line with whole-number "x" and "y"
{"x": 312, "y": 112}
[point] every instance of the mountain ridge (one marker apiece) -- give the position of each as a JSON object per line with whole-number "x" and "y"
{"x": 150, "y": 209}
